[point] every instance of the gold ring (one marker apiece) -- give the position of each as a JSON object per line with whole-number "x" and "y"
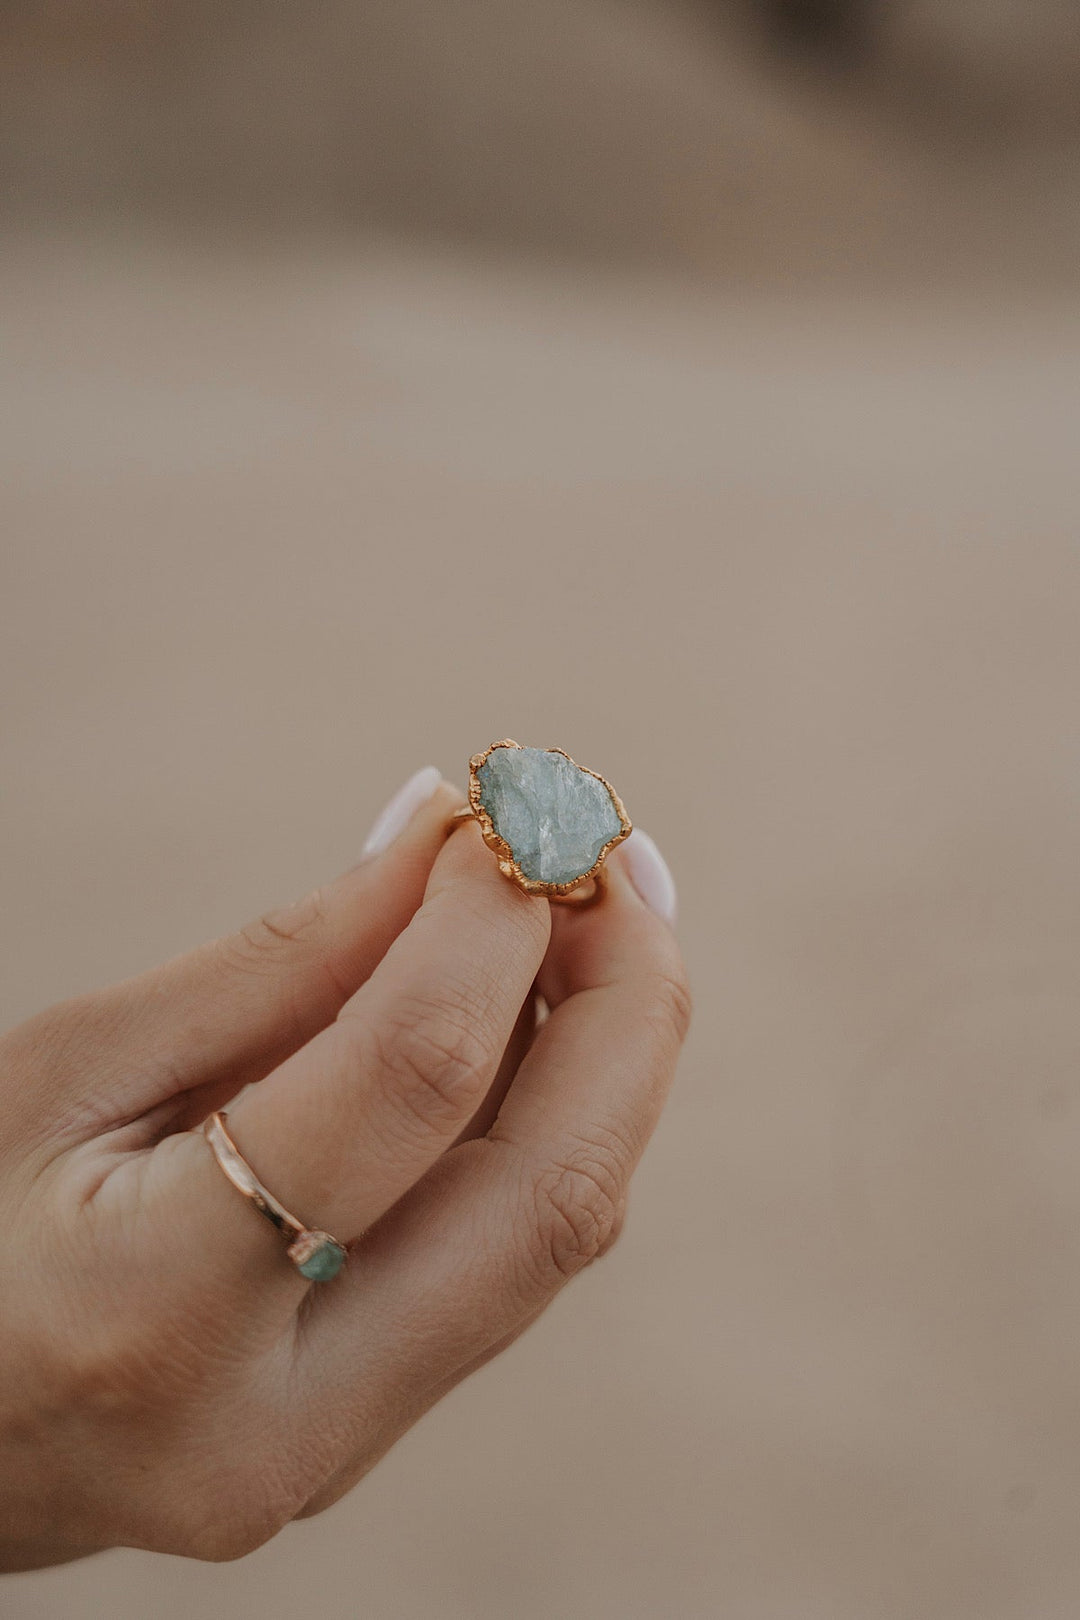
{"x": 550, "y": 821}
{"x": 316, "y": 1255}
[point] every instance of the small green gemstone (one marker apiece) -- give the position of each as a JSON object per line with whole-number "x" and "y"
{"x": 325, "y": 1263}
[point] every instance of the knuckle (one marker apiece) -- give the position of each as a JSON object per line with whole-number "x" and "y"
{"x": 578, "y": 1205}
{"x": 616, "y": 1231}
{"x": 670, "y": 1003}
{"x": 279, "y": 945}
{"x": 251, "y": 952}
{"x": 436, "y": 1061}
{"x": 260, "y": 944}
{"x": 223, "y": 1535}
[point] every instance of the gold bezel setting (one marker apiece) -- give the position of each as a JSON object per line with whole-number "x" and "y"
{"x": 507, "y": 864}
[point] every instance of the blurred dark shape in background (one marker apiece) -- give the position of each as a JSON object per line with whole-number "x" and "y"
{"x": 697, "y": 132}
{"x": 992, "y": 70}
{"x": 834, "y": 28}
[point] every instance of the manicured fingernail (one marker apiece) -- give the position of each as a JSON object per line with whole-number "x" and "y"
{"x": 649, "y": 873}
{"x": 395, "y": 816}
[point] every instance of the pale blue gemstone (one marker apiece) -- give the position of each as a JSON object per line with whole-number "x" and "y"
{"x": 325, "y": 1263}
{"x": 555, "y": 816}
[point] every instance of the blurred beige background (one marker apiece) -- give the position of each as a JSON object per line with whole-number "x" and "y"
{"x": 768, "y": 513}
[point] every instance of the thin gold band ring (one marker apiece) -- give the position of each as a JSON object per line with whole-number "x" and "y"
{"x": 316, "y": 1255}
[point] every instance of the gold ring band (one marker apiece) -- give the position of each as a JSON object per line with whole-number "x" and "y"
{"x": 316, "y": 1255}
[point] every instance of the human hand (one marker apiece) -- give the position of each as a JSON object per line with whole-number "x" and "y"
{"x": 168, "y": 1380}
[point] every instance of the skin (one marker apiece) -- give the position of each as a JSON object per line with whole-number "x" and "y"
{"x": 168, "y": 1380}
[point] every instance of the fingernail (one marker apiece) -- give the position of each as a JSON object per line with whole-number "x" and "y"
{"x": 395, "y": 816}
{"x": 649, "y": 873}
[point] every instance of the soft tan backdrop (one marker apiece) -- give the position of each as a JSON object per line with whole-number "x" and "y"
{"x": 802, "y": 577}
{"x": 295, "y": 497}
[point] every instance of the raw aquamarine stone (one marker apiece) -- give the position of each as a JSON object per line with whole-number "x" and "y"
{"x": 325, "y": 1263}
{"x": 555, "y": 816}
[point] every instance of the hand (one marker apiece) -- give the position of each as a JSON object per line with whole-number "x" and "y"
{"x": 168, "y": 1380}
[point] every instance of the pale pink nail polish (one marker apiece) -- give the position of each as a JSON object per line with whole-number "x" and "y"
{"x": 649, "y": 873}
{"x": 395, "y": 816}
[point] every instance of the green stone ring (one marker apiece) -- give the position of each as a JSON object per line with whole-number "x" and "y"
{"x": 316, "y": 1255}
{"x": 550, "y": 821}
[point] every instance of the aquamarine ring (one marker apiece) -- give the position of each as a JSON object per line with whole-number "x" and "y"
{"x": 551, "y": 822}
{"x": 316, "y": 1255}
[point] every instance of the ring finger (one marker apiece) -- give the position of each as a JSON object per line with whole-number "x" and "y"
{"x": 351, "y": 1121}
